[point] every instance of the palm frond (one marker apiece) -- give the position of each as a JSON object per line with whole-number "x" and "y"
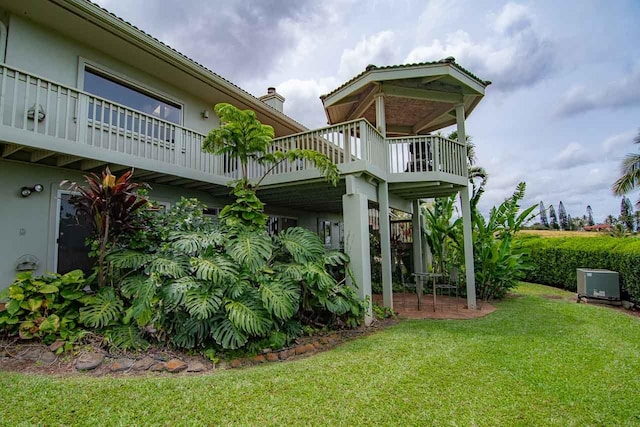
{"x": 630, "y": 175}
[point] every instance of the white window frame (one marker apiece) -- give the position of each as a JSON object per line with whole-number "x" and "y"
{"x": 117, "y": 77}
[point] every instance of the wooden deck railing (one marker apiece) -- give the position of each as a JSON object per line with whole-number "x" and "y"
{"x": 39, "y": 106}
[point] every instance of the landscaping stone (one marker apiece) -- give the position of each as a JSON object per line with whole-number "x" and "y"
{"x": 283, "y": 355}
{"x": 196, "y": 366}
{"x": 56, "y": 345}
{"x": 317, "y": 345}
{"x": 272, "y": 357}
{"x": 89, "y": 361}
{"x": 258, "y": 359}
{"x": 291, "y": 352}
{"x": 309, "y": 348}
{"x": 235, "y": 363}
{"x": 31, "y": 354}
{"x": 175, "y": 366}
{"x": 47, "y": 356}
{"x": 300, "y": 349}
{"x": 157, "y": 367}
{"x": 121, "y": 365}
{"x": 143, "y": 364}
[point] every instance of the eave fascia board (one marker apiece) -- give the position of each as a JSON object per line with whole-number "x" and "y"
{"x": 386, "y": 74}
{"x": 127, "y": 32}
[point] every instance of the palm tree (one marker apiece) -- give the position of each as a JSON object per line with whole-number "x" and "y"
{"x": 630, "y": 170}
{"x": 478, "y": 175}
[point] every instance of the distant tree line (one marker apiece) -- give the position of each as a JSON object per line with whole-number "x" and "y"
{"x": 627, "y": 222}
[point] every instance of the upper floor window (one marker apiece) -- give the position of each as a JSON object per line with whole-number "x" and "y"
{"x": 109, "y": 88}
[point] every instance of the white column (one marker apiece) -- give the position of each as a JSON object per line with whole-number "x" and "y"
{"x": 385, "y": 244}
{"x": 355, "y": 209}
{"x": 418, "y": 264}
{"x": 466, "y": 220}
{"x": 381, "y": 120}
{"x": 468, "y": 248}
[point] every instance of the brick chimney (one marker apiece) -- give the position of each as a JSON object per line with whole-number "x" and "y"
{"x": 273, "y": 99}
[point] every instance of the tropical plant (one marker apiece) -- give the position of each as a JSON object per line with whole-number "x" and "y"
{"x": 242, "y": 138}
{"x": 440, "y": 229}
{"x": 630, "y": 173}
{"x": 109, "y": 204}
{"x": 45, "y": 307}
{"x": 499, "y": 264}
{"x": 230, "y": 286}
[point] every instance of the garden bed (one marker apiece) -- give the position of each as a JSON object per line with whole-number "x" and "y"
{"x": 91, "y": 359}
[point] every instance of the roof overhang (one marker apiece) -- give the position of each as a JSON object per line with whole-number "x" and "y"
{"x": 419, "y": 98}
{"x": 96, "y": 27}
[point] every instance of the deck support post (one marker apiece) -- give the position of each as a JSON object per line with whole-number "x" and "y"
{"x": 355, "y": 208}
{"x": 385, "y": 244}
{"x": 466, "y": 220}
{"x": 381, "y": 118}
{"x": 416, "y": 232}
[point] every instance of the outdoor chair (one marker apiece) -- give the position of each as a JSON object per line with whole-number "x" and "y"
{"x": 452, "y": 283}
{"x": 421, "y": 160}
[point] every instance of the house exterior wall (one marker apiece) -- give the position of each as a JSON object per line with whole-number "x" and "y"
{"x": 28, "y": 224}
{"x": 46, "y": 53}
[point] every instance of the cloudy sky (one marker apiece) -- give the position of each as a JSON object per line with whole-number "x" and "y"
{"x": 561, "y": 113}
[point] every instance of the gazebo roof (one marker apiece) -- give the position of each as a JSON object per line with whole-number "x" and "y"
{"x": 419, "y": 98}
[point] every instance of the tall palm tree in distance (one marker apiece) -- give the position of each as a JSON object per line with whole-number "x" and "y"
{"x": 630, "y": 170}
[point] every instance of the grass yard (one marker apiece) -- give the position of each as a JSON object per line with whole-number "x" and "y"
{"x": 536, "y": 361}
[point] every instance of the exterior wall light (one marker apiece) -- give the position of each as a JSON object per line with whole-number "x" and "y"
{"x": 26, "y": 191}
{"x": 205, "y": 114}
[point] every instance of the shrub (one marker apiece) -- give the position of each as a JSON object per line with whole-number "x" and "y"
{"x": 45, "y": 308}
{"x": 555, "y": 260}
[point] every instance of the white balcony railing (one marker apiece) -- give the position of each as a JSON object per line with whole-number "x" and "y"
{"x": 427, "y": 153}
{"x": 37, "y": 106}
{"x": 42, "y": 107}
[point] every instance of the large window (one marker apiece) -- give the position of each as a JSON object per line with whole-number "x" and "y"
{"x": 109, "y": 88}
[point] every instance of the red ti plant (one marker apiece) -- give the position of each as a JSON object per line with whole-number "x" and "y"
{"x": 109, "y": 203}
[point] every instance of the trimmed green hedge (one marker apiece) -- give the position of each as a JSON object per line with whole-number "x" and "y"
{"x": 555, "y": 260}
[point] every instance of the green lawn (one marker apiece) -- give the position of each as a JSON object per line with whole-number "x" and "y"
{"x": 535, "y": 361}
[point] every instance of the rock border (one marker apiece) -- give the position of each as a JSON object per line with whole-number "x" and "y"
{"x": 39, "y": 358}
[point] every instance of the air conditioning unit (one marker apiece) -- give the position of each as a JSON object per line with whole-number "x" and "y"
{"x": 598, "y": 284}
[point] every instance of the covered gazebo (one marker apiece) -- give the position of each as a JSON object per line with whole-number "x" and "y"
{"x": 406, "y": 103}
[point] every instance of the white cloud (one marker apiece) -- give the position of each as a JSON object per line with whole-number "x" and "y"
{"x": 619, "y": 93}
{"x": 379, "y": 49}
{"x": 574, "y": 154}
{"x": 303, "y": 99}
{"x": 514, "y": 55}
